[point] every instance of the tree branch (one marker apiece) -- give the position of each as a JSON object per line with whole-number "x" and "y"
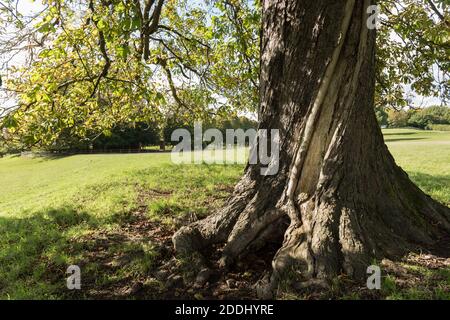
{"x": 438, "y": 13}
{"x": 102, "y": 45}
{"x": 150, "y": 25}
{"x": 173, "y": 89}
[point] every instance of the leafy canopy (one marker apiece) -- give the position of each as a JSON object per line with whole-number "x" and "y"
{"x": 96, "y": 64}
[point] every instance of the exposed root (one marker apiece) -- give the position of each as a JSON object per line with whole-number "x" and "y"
{"x": 204, "y": 233}
{"x": 216, "y": 227}
{"x": 248, "y": 227}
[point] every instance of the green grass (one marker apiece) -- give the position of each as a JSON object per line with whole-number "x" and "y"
{"x": 418, "y": 283}
{"x": 425, "y": 156}
{"x": 439, "y": 127}
{"x": 55, "y": 212}
{"x": 48, "y": 206}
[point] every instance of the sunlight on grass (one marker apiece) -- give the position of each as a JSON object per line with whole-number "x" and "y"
{"x": 425, "y": 156}
{"x": 53, "y": 211}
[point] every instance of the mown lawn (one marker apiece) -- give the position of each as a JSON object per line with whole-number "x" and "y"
{"x": 113, "y": 215}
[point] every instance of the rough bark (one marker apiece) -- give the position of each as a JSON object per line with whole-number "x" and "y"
{"x": 339, "y": 198}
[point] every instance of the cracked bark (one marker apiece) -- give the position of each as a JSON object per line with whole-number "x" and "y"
{"x": 345, "y": 200}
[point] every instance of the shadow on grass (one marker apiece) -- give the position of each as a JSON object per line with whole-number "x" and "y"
{"x": 34, "y": 252}
{"x": 429, "y": 182}
{"x": 55, "y": 156}
{"x": 433, "y": 184}
{"x": 398, "y": 133}
{"x": 402, "y": 139}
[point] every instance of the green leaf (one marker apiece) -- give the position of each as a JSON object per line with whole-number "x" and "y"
{"x": 102, "y": 24}
{"x": 45, "y": 28}
{"x": 10, "y": 122}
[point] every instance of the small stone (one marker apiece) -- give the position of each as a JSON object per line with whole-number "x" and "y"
{"x": 202, "y": 277}
{"x": 231, "y": 283}
{"x": 174, "y": 281}
{"x": 136, "y": 287}
{"x": 161, "y": 275}
{"x": 386, "y": 262}
{"x": 312, "y": 283}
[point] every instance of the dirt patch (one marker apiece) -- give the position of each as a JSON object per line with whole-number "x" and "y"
{"x": 106, "y": 255}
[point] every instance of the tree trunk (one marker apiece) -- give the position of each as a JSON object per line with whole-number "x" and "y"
{"x": 339, "y": 198}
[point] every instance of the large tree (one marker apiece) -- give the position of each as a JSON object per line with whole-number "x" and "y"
{"x": 339, "y": 198}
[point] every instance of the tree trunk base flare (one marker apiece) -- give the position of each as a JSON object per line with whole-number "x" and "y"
{"x": 339, "y": 199}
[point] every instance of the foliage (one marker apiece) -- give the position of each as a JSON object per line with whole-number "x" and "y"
{"x": 128, "y": 137}
{"x": 423, "y": 118}
{"x": 95, "y": 64}
{"x": 222, "y": 125}
{"x": 397, "y": 118}
{"x": 413, "y": 45}
{"x": 137, "y": 135}
{"x": 382, "y": 116}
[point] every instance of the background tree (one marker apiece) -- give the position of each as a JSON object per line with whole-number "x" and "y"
{"x": 397, "y": 118}
{"x": 423, "y": 118}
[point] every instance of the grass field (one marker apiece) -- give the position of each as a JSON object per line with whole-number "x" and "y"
{"x": 113, "y": 215}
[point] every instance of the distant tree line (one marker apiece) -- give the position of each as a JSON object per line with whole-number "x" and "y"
{"x": 139, "y": 135}
{"x": 431, "y": 118}
{"x": 130, "y": 135}
{"x": 243, "y": 123}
